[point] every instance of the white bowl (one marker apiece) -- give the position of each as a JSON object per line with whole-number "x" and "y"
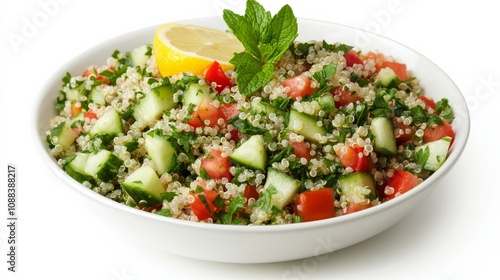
{"x": 258, "y": 244}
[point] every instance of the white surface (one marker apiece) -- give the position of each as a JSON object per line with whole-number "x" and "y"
{"x": 453, "y": 235}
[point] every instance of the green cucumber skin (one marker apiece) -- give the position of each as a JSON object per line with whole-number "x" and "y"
{"x": 252, "y": 153}
{"x": 144, "y": 187}
{"x": 383, "y": 132}
{"x": 285, "y": 186}
{"x": 308, "y": 126}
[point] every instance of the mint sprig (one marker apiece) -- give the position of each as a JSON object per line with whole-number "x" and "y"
{"x": 265, "y": 39}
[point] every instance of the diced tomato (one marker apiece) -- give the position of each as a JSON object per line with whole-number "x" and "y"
{"x": 429, "y": 103}
{"x": 436, "y": 132}
{"x": 301, "y": 150}
{"x": 251, "y": 192}
{"x": 216, "y": 75}
{"x": 229, "y": 110}
{"x": 401, "y": 181}
{"x": 355, "y": 207}
{"x": 90, "y": 114}
{"x": 236, "y": 135}
{"x": 398, "y": 68}
{"x": 378, "y": 58}
{"x": 382, "y": 62}
{"x": 354, "y": 158}
{"x": 351, "y": 58}
{"x": 402, "y": 132}
{"x": 203, "y": 204}
{"x": 206, "y": 112}
{"x": 345, "y": 97}
{"x": 216, "y": 166}
{"x": 93, "y": 71}
{"x": 315, "y": 205}
{"x": 299, "y": 86}
{"x": 76, "y": 108}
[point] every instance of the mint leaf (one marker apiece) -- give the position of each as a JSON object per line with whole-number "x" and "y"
{"x": 265, "y": 39}
{"x": 257, "y": 16}
{"x": 282, "y": 31}
{"x": 244, "y": 31}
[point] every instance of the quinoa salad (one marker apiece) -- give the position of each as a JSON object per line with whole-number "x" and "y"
{"x": 334, "y": 131}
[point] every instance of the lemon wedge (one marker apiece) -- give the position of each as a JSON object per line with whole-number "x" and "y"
{"x": 189, "y": 48}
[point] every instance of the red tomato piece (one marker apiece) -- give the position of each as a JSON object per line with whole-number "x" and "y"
{"x": 216, "y": 166}
{"x": 429, "y": 103}
{"x": 203, "y": 204}
{"x": 299, "y": 86}
{"x": 93, "y": 71}
{"x": 315, "y": 205}
{"x": 351, "y": 58}
{"x": 301, "y": 150}
{"x": 436, "y": 132}
{"x": 398, "y": 68}
{"x": 401, "y": 182}
{"x": 354, "y": 158}
{"x": 216, "y": 75}
{"x": 90, "y": 114}
{"x": 378, "y": 58}
{"x": 229, "y": 110}
{"x": 345, "y": 97}
{"x": 403, "y": 132}
{"x": 206, "y": 112}
{"x": 251, "y": 192}
{"x": 355, "y": 207}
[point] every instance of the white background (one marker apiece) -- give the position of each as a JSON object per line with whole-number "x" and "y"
{"x": 454, "y": 234}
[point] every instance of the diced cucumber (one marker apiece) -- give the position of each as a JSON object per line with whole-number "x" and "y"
{"x": 383, "y": 131}
{"x": 286, "y": 187}
{"x": 107, "y": 126}
{"x": 75, "y": 93}
{"x": 387, "y": 77}
{"x": 259, "y": 106}
{"x": 140, "y": 55}
{"x": 327, "y": 102}
{"x": 357, "y": 186}
{"x": 195, "y": 94}
{"x": 103, "y": 165}
{"x": 96, "y": 95}
{"x": 144, "y": 186}
{"x": 63, "y": 135}
{"x": 161, "y": 151}
{"x": 306, "y": 126}
{"x": 251, "y": 153}
{"x": 76, "y": 168}
{"x": 151, "y": 106}
{"x": 79, "y": 119}
{"x": 435, "y": 152}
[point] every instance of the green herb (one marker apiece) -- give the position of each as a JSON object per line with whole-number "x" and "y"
{"x": 204, "y": 174}
{"x": 168, "y": 196}
{"x": 287, "y": 151}
{"x": 422, "y": 155}
{"x": 323, "y": 77}
{"x": 164, "y": 212}
{"x": 264, "y": 202}
{"x": 281, "y": 103}
{"x": 336, "y": 47}
{"x": 235, "y": 205}
{"x": 265, "y": 39}
{"x": 443, "y": 109}
{"x": 301, "y": 50}
{"x": 420, "y": 115}
{"x": 246, "y": 127}
{"x": 380, "y": 107}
